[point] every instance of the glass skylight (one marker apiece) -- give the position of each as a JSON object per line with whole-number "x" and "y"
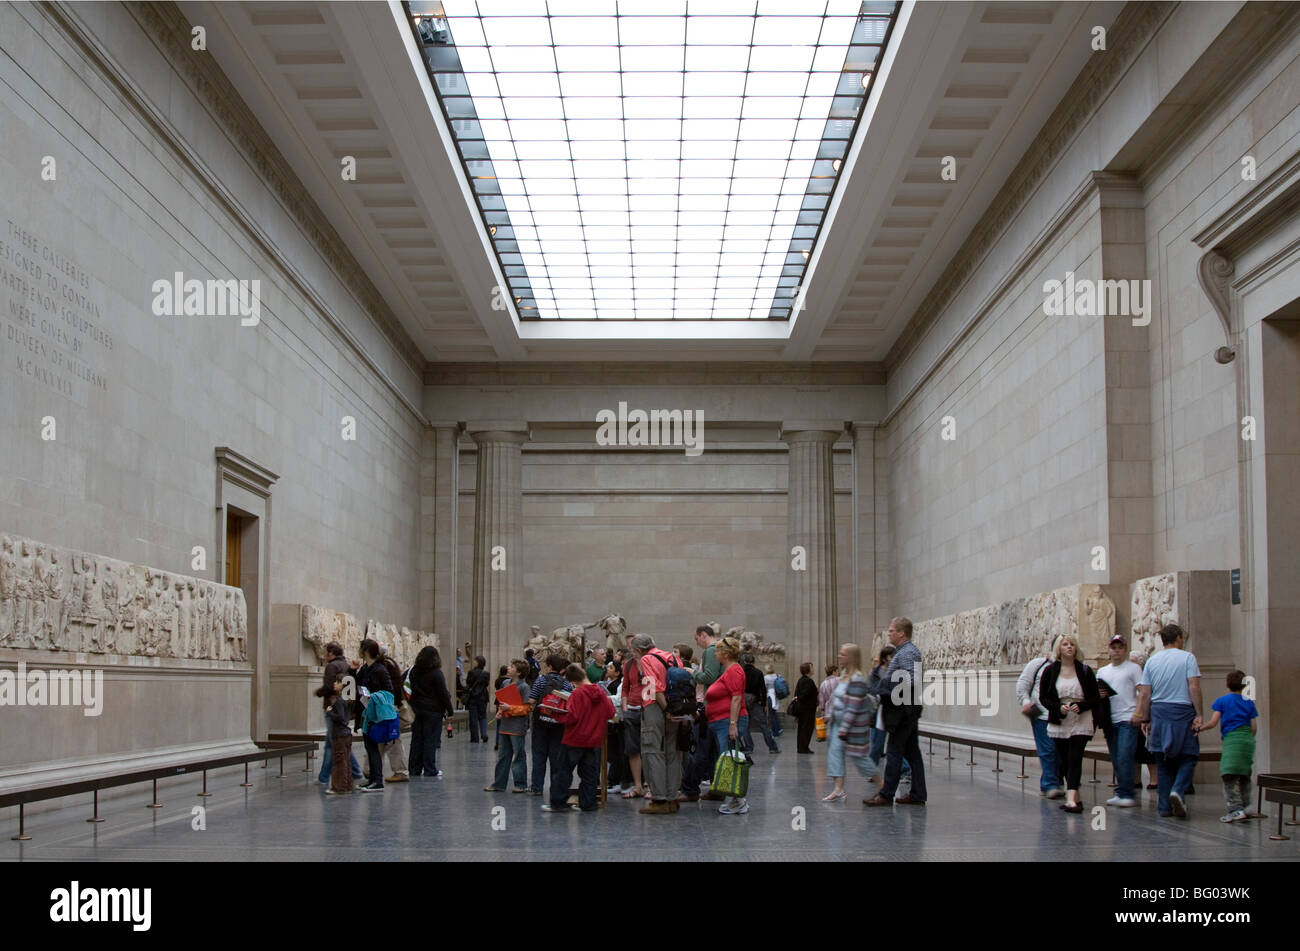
{"x": 653, "y": 160}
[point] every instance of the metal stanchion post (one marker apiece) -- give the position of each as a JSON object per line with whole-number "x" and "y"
{"x": 205, "y": 792}
{"x": 155, "y": 804}
{"x": 245, "y": 783}
{"x": 22, "y": 835}
{"x": 96, "y": 817}
{"x": 997, "y": 761}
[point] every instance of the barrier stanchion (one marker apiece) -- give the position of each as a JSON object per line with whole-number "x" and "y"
{"x": 205, "y": 792}
{"x": 22, "y": 835}
{"x": 155, "y": 804}
{"x": 1022, "y": 774}
{"x": 997, "y": 761}
{"x": 245, "y": 783}
{"x": 96, "y": 816}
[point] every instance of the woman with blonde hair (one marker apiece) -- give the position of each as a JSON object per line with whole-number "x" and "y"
{"x": 1068, "y": 691}
{"x": 848, "y": 725}
{"x": 724, "y": 705}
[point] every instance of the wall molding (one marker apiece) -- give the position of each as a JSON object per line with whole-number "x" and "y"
{"x": 169, "y": 32}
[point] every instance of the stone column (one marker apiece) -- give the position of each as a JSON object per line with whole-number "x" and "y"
{"x": 438, "y": 534}
{"x": 496, "y": 627}
{"x": 811, "y": 611}
{"x": 864, "y": 534}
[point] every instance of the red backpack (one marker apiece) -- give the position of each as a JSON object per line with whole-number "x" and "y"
{"x": 554, "y": 708}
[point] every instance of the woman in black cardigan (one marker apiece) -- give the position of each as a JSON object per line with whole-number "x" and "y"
{"x": 431, "y": 702}
{"x": 1068, "y": 691}
{"x": 805, "y": 703}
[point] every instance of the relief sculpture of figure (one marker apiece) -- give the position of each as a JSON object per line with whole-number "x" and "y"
{"x": 200, "y": 623}
{"x": 38, "y": 629}
{"x": 8, "y": 591}
{"x": 241, "y": 627}
{"x": 54, "y": 611}
{"x": 181, "y": 647}
{"x": 219, "y": 628}
{"x": 26, "y": 589}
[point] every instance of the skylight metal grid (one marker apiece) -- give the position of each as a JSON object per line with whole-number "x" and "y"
{"x": 653, "y": 160}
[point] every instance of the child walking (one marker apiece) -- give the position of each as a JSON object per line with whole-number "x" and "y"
{"x": 1238, "y": 756}
{"x": 584, "y": 733}
{"x": 336, "y": 711}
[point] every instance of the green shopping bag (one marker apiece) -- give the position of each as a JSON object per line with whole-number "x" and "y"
{"x": 731, "y": 773}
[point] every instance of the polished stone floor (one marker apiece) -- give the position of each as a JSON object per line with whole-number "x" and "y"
{"x": 973, "y": 814}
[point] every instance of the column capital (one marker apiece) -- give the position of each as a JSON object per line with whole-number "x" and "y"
{"x": 498, "y": 431}
{"x": 822, "y": 430}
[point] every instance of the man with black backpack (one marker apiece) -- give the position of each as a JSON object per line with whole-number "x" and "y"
{"x": 548, "y": 700}
{"x": 661, "y": 676}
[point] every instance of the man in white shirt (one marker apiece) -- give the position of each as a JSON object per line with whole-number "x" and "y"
{"x": 1027, "y": 695}
{"x": 1118, "y": 680}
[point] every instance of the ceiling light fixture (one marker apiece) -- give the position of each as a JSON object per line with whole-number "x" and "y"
{"x": 836, "y": 165}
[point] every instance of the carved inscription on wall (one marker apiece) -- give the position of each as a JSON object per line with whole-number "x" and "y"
{"x": 54, "y": 330}
{"x": 56, "y": 599}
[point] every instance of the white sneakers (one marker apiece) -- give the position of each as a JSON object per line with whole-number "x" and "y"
{"x": 1177, "y": 806}
{"x": 734, "y": 807}
{"x": 1120, "y": 802}
{"x": 1237, "y": 815}
{"x": 1056, "y": 793}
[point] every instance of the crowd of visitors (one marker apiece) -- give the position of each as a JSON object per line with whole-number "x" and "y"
{"x": 664, "y": 719}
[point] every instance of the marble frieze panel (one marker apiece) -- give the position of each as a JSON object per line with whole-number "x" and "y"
{"x": 57, "y": 599}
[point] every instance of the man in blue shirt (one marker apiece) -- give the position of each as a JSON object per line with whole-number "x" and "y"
{"x": 1169, "y": 711}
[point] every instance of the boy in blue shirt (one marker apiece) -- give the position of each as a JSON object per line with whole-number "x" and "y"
{"x": 1238, "y": 756}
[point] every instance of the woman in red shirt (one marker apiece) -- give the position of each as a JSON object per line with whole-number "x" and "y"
{"x": 724, "y": 705}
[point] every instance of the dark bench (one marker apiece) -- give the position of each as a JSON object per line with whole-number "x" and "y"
{"x": 268, "y": 749}
{"x": 1283, "y": 789}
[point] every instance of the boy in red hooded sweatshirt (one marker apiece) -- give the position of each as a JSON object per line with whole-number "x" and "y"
{"x": 584, "y": 733}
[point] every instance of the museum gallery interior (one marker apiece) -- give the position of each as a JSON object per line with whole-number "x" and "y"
{"x": 435, "y": 322}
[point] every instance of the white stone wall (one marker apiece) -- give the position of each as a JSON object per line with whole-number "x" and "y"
{"x": 131, "y": 472}
{"x": 1014, "y": 504}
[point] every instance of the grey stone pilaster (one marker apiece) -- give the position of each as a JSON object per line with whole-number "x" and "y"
{"x": 811, "y": 608}
{"x": 498, "y": 541}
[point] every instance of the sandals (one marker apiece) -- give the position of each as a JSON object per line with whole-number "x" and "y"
{"x": 637, "y": 792}
{"x": 835, "y": 797}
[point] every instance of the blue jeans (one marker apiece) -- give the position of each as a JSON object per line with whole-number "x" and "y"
{"x": 426, "y": 740}
{"x": 513, "y": 750}
{"x": 878, "y": 737}
{"x": 547, "y": 751}
{"x": 1122, "y": 743}
{"x": 719, "y": 730}
{"x": 587, "y": 762}
{"x": 774, "y": 719}
{"x": 1046, "y": 746}
{"x": 477, "y": 720}
{"x": 1173, "y": 774}
{"x": 699, "y": 765}
{"x": 327, "y": 766}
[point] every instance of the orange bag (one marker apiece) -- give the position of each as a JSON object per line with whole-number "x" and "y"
{"x": 821, "y": 728}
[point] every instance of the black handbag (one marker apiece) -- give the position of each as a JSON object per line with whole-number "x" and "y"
{"x": 793, "y": 709}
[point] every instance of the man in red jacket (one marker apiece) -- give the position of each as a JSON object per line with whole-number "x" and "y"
{"x": 584, "y": 733}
